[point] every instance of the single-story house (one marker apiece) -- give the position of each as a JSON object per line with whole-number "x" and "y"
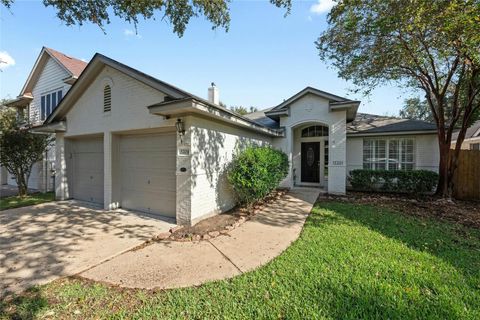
{"x": 125, "y": 139}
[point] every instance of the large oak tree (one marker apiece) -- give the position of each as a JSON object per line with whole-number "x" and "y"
{"x": 431, "y": 46}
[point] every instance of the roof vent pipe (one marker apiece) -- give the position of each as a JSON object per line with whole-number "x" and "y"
{"x": 213, "y": 94}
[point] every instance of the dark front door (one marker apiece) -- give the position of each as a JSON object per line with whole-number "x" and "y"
{"x": 310, "y": 162}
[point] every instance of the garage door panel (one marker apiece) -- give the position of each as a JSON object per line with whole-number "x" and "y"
{"x": 88, "y": 170}
{"x": 89, "y": 161}
{"x": 147, "y": 143}
{"x": 148, "y": 179}
{"x": 148, "y": 161}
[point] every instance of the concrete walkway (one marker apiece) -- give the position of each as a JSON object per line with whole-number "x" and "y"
{"x": 169, "y": 264}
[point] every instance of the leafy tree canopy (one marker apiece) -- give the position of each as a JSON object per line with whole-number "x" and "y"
{"x": 429, "y": 45}
{"x": 417, "y": 109}
{"x": 243, "y": 110}
{"x": 178, "y": 13}
{"x": 20, "y": 149}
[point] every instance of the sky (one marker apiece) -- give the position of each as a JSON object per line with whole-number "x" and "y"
{"x": 263, "y": 59}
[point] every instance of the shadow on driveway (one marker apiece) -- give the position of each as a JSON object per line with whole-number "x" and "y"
{"x": 43, "y": 242}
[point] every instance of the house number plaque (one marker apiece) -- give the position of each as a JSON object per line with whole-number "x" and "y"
{"x": 183, "y": 151}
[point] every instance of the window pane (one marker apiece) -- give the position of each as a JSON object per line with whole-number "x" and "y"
{"x": 380, "y": 154}
{"x": 48, "y": 105}
{"x": 393, "y": 155}
{"x": 54, "y": 100}
{"x": 367, "y": 154}
{"x": 42, "y": 108}
{"x": 59, "y": 96}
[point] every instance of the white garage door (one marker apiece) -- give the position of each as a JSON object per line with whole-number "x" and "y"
{"x": 88, "y": 170}
{"x": 147, "y": 171}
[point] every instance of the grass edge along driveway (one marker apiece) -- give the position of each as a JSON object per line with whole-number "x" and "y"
{"x": 350, "y": 262}
{"x": 29, "y": 200}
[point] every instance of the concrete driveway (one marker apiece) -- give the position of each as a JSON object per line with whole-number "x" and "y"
{"x": 47, "y": 241}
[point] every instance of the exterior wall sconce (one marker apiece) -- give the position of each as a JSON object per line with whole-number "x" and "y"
{"x": 180, "y": 125}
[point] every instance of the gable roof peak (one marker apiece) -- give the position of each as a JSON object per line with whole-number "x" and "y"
{"x": 73, "y": 65}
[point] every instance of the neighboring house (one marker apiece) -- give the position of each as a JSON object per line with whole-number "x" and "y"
{"x": 472, "y": 138}
{"x": 125, "y": 139}
{"x": 50, "y": 79}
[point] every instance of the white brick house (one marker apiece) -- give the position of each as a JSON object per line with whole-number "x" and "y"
{"x": 125, "y": 139}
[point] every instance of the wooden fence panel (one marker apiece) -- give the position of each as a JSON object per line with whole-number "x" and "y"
{"x": 467, "y": 176}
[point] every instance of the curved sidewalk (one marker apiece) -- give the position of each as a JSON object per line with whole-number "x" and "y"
{"x": 170, "y": 264}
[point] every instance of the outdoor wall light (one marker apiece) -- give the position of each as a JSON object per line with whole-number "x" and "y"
{"x": 180, "y": 127}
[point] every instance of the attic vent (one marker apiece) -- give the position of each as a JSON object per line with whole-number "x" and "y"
{"x": 107, "y": 98}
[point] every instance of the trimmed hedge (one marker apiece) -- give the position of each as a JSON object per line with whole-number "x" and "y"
{"x": 418, "y": 181}
{"x": 257, "y": 171}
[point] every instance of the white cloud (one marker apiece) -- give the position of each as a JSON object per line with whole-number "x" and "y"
{"x": 6, "y": 60}
{"x": 322, "y": 6}
{"x": 131, "y": 33}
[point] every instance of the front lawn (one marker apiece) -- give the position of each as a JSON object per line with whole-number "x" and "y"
{"x": 29, "y": 200}
{"x": 350, "y": 262}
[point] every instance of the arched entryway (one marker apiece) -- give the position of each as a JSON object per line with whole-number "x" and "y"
{"x": 310, "y": 154}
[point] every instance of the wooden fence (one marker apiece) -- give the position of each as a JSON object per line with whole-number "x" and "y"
{"x": 467, "y": 176}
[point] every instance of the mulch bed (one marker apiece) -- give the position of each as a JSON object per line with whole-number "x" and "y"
{"x": 463, "y": 212}
{"x": 220, "y": 224}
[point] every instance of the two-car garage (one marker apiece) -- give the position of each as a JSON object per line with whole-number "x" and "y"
{"x": 143, "y": 173}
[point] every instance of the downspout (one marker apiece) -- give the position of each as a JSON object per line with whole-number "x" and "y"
{"x": 45, "y": 178}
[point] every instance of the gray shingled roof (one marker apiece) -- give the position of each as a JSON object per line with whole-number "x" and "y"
{"x": 260, "y": 118}
{"x": 363, "y": 123}
{"x": 370, "y": 123}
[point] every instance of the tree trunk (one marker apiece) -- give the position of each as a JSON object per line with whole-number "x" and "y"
{"x": 443, "y": 170}
{"x": 21, "y": 184}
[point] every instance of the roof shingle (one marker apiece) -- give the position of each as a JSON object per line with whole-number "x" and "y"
{"x": 74, "y": 65}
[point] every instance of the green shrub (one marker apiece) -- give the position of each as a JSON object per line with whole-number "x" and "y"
{"x": 256, "y": 171}
{"x": 418, "y": 181}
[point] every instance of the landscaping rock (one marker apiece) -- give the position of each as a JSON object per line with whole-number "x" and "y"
{"x": 206, "y": 237}
{"x": 163, "y": 236}
{"x": 176, "y": 228}
{"x": 214, "y": 234}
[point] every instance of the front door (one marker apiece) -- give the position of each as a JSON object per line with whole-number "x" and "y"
{"x": 310, "y": 158}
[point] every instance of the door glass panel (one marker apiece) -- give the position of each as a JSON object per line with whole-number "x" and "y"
{"x": 310, "y": 157}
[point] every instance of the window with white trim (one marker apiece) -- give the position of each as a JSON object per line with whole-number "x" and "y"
{"x": 48, "y": 103}
{"x": 107, "y": 98}
{"x": 389, "y": 154}
{"x": 474, "y": 146}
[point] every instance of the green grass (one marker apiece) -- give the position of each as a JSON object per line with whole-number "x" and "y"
{"x": 29, "y": 200}
{"x": 350, "y": 262}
